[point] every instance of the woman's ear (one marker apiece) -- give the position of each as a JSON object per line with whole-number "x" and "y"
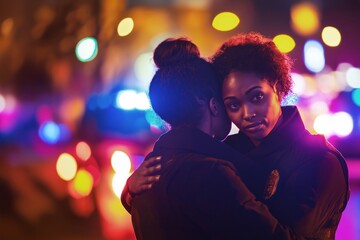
{"x": 214, "y": 106}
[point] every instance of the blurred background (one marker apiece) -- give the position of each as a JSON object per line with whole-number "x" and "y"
{"x": 75, "y": 120}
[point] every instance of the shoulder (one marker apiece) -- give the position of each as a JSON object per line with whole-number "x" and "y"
{"x": 314, "y": 155}
{"x": 318, "y": 146}
{"x": 322, "y": 157}
{"x": 199, "y": 162}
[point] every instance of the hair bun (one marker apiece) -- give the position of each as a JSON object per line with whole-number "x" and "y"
{"x": 175, "y": 50}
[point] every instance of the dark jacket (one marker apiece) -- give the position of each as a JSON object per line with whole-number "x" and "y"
{"x": 199, "y": 196}
{"x": 304, "y": 180}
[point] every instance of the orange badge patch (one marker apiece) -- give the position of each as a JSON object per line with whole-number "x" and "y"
{"x": 271, "y": 184}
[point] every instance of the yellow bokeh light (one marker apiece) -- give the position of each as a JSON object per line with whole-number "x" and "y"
{"x": 305, "y": 18}
{"x": 66, "y": 166}
{"x": 82, "y": 183}
{"x": 284, "y": 43}
{"x": 225, "y": 21}
{"x": 331, "y": 36}
{"x": 120, "y": 162}
{"x": 125, "y": 27}
{"x": 83, "y": 151}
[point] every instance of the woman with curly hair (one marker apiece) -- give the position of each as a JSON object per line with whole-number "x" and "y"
{"x": 304, "y": 178}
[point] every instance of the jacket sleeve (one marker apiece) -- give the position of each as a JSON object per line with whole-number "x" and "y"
{"x": 126, "y": 198}
{"x": 224, "y": 205}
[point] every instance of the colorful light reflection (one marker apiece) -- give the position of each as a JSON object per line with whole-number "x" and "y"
{"x": 340, "y": 124}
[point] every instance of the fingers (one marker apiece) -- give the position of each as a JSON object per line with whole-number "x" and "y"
{"x": 150, "y": 167}
{"x": 151, "y": 171}
{"x": 145, "y": 175}
{"x": 146, "y": 187}
{"x": 152, "y": 179}
{"x": 152, "y": 161}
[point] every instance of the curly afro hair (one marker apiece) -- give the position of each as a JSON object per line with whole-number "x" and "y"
{"x": 253, "y": 52}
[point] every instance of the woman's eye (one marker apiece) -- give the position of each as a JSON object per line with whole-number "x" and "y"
{"x": 258, "y": 97}
{"x": 232, "y": 106}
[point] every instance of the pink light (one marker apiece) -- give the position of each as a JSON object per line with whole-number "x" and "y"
{"x": 354, "y": 169}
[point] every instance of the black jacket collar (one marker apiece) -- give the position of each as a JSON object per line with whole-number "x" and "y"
{"x": 290, "y": 130}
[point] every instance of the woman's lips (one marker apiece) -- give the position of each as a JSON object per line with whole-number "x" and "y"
{"x": 255, "y": 126}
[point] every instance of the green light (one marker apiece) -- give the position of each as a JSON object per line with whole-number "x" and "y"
{"x": 356, "y": 96}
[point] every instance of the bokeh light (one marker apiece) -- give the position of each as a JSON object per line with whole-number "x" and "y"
{"x": 86, "y": 49}
{"x": 9, "y": 114}
{"x": 121, "y": 162}
{"x": 353, "y": 77}
{"x": 328, "y": 84}
{"x": 83, "y": 183}
{"x": 125, "y": 99}
{"x": 7, "y": 103}
{"x": 2, "y": 103}
{"x": 314, "y": 57}
{"x": 305, "y": 18}
{"x": 299, "y": 83}
{"x": 118, "y": 183}
{"x": 319, "y": 107}
{"x": 125, "y": 27}
{"x": 284, "y": 43}
{"x": 142, "y": 101}
{"x": 144, "y": 68}
{"x": 66, "y": 166}
{"x": 356, "y": 96}
{"x": 50, "y": 132}
{"x": 225, "y": 21}
{"x": 331, "y": 36}
{"x": 83, "y": 150}
{"x": 153, "y": 119}
{"x": 322, "y": 124}
{"x": 130, "y": 100}
{"x": 342, "y": 123}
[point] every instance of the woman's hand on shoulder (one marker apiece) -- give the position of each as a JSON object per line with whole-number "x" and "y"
{"x": 145, "y": 175}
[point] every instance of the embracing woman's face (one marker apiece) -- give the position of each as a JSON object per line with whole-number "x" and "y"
{"x": 251, "y": 103}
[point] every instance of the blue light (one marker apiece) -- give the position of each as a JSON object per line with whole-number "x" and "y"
{"x": 49, "y": 132}
{"x": 314, "y": 56}
{"x": 153, "y": 119}
{"x": 290, "y": 99}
